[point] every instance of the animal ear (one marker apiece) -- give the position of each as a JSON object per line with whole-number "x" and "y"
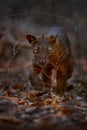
{"x": 31, "y": 38}
{"x": 52, "y": 39}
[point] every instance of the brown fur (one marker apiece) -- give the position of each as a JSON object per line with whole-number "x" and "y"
{"x": 55, "y": 68}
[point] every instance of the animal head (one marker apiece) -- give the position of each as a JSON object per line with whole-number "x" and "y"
{"x": 43, "y": 47}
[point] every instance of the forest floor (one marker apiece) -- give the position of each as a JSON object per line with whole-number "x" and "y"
{"x": 24, "y": 108}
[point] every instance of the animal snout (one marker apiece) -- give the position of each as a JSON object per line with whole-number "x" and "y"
{"x": 43, "y": 56}
{"x": 42, "y": 62}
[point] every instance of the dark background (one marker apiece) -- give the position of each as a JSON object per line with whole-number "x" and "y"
{"x": 22, "y": 16}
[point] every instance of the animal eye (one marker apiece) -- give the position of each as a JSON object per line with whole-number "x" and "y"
{"x": 50, "y": 50}
{"x": 35, "y": 50}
